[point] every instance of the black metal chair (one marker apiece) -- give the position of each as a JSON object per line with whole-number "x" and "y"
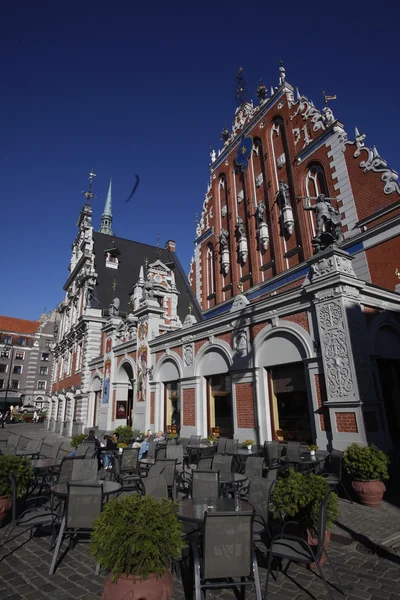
{"x": 32, "y": 517}
{"x": 50, "y": 450}
{"x": 231, "y": 446}
{"x": 84, "y": 502}
{"x": 296, "y": 549}
{"x": 221, "y": 446}
{"x": 205, "y": 464}
{"x": 205, "y": 484}
{"x": 259, "y": 496}
{"x": 130, "y": 460}
{"x": 333, "y": 474}
{"x": 32, "y": 449}
{"x": 292, "y": 450}
{"x": 226, "y": 558}
{"x": 272, "y": 453}
{"x": 156, "y": 487}
{"x": 195, "y": 439}
{"x": 129, "y": 480}
{"x": 84, "y": 470}
{"x": 253, "y": 467}
{"x": 169, "y": 472}
{"x": 222, "y": 463}
{"x": 175, "y": 452}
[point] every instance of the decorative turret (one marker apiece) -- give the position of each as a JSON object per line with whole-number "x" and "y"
{"x": 106, "y": 218}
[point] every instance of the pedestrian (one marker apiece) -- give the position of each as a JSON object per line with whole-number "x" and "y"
{"x": 35, "y": 416}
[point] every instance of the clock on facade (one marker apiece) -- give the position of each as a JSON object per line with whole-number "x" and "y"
{"x": 243, "y": 153}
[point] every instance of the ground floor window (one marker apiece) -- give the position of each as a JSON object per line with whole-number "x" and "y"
{"x": 389, "y": 375}
{"x": 172, "y": 408}
{"x": 219, "y": 406}
{"x": 290, "y": 414}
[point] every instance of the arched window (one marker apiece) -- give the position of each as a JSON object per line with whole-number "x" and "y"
{"x": 210, "y": 270}
{"x": 315, "y": 185}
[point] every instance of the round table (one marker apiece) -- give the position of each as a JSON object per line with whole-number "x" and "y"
{"x": 245, "y": 452}
{"x": 45, "y": 463}
{"x": 304, "y": 459}
{"x": 109, "y": 487}
{"x": 193, "y": 509}
{"x": 231, "y": 478}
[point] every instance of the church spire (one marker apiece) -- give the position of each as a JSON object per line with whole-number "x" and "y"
{"x": 106, "y": 218}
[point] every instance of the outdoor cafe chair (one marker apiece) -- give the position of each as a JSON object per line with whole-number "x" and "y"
{"x": 85, "y": 470}
{"x": 156, "y": 487}
{"x": 272, "y": 453}
{"x": 292, "y": 450}
{"x": 296, "y": 549}
{"x": 205, "y": 463}
{"x": 175, "y": 452}
{"x": 37, "y": 513}
{"x": 169, "y": 472}
{"x": 231, "y": 446}
{"x": 129, "y": 460}
{"x": 32, "y": 449}
{"x": 221, "y": 463}
{"x": 205, "y": 484}
{"x": 333, "y": 474}
{"x": 86, "y": 449}
{"x": 50, "y": 450}
{"x": 253, "y": 467}
{"x": 226, "y": 553}
{"x": 194, "y": 439}
{"x": 221, "y": 446}
{"x": 259, "y": 496}
{"x": 84, "y": 503}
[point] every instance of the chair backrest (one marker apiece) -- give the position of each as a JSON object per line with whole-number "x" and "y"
{"x": 259, "y": 496}
{"x": 130, "y": 460}
{"x": 156, "y": 487}
{"x": 321, "y": 528}
{"x": 205, "y": 484}
{"x": 222, "y": 463}
{"x": 84, "y": 449}
{"x": 292, "y": 449}
{"x": 221, "y": 445}
{"x": 205, "y": 464}
{"x": 335, "y": 462}
{"x": 227, "y": 545}
{"x": 155, "y": 470}
{"x": 254, "y": 467}
{"x": 175, "y": 452}
{"x": 85, "y": 470}
{"x": 51, "y": 450}
{"x": 231, "y": 446}
{"x": 34, "y": 446}
{"x": 184, "y": 442}
{"x": 271, "y": 451}
{"x": 169, "y": 470}
{"x": 161, "y": 452}
{"x": 84, "y": 504}
{"x": 194, "y": 439}
{"x": 171, "y": 441}
{"x": 151, "y": 452}
{"x": 65, "y": 472}
{"x": 272, "y": 474}
{"x": 13, "y": 440}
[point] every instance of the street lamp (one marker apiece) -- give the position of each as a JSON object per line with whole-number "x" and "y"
{"x": 7, "y": 348}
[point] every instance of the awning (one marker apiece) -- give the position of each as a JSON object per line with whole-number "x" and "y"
{"x": 12, "y": 399}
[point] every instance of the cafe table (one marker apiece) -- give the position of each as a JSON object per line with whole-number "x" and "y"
{"x": 45, "y": 463}
{"x": 193, "y": 509}
{"x": 109, "y": 487}
{"x": 305, "y": 459}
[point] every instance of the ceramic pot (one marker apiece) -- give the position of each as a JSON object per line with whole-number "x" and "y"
{"x": 312, "y": 541}
{"x": 152, "y": 588}
{"x": 369, "y": 493}
{"x": 312, "y": 452}
{"x": 249, "y": 447}
{"x": 5, "y": 507}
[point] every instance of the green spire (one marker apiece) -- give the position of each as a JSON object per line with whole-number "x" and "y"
{"x": 106, "y": 219}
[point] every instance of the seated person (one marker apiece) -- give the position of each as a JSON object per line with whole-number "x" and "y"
{"x": 146, "y": 442}
{"x": 110, "y": 444}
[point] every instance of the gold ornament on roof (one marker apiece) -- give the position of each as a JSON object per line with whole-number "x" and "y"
{"x": 397, "y": 273}
{"x": 240, "y": 287}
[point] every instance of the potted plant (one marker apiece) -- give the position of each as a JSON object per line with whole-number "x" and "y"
{"x": 77, "y": 440}
{"x": 248, "y": 444}
{"x": 23, "y": 472}
{"x": 367, "y": 466}
{"x": 299, "y": 496}
{"x": 121, "y": 446}
{"x": 135, "y": 538}
{"x": 125, "y": 433}
{"x": 211, "y": 440}
{"x": 312, "y": 448}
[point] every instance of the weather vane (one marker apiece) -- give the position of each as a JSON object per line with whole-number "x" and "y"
{"x": 158, "y": 251}
{"x": 146, "y": 263}
{"x": 114, "y": 285}
{"x": 89, "y": 194}
{"x": 240, "y": 287}
{"x": 328, "y": 98}
{"x": 241, "y": 91}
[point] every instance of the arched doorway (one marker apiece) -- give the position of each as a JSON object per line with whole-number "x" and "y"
{"x": 214, "y": 368}
{"x": 96, "y": 389}
{"x": 285, "y": 380}
{"x": 124, "y": 393}
{"x": 387, "y": 352}
{"x": 170, "y": 379}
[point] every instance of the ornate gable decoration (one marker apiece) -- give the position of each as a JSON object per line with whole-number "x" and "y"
{"x": 308, "y": 112}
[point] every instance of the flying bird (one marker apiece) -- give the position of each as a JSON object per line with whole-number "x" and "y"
{"x": 134, "y": 190}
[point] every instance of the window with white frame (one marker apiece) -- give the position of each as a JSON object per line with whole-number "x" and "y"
{"x": 7, "y": 339}
{"x": 3, "y": 368}
{"x": 1, "y": 384}
{"x": 78, "y": 362}
{"x": 21, "y": 341}
{"x": 43, "y": 370}
{"x": 69, "y": 365}
{"x": 45, "y": 356}
{"x": 15, "y": 384}
{"x": 17, "y": 369}
{"x": 41, "y": 385}
{"x": 19, "y": 355}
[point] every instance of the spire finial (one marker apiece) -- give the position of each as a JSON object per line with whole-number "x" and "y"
{"x": 241, "y": 91}
{"x": 89, "y": 194}
{"x": 328, "y": 98}
{"x": 114, "y": 285}
{"x": 106, "y": 218}
{"x": 158, "y": 251}
{"x": 240, "y": 287}
{"x": 190, "y": 308}
{"x": 282, "y": 73}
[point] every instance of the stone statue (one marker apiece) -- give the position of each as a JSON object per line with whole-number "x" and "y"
{"x": 114, "y": 308}
{"x": 260, "y": 213}
{"x": 242, "y": 240}
{"x": 240, "y": 232}
{"x": 213, "y": 156}
{"x": 223, "y": 240}
{"x": 329, "y": 228}
{"x": 284, "y": 194}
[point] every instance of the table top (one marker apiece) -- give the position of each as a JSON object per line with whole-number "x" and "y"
{"x": 304, "y": 459}
{"x": 226, "y": 478}
{"x": 245, "y": 452}
{"x": 193, "y": 509}
{"x": 109, "y": 487}
{"x": 198, "y": 446}
{"x": 45, "y": 463}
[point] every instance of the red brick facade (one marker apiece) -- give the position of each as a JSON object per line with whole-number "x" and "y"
{"x": 320, "y": 389}
{"x": 178, "y": 350}
{"x": 152, "y": 406}
{"x": 189, "y": 407}
{"x": 346, "y": 422}
{"x": 198, "y": 345}
{"x": 383, "y": 260}
{"x": 300, "y": 319}
{"x": 245, "y": 405}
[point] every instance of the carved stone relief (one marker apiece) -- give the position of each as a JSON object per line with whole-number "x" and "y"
{"x": 188, "y": 355}
{"x": 259, "y": 180}
{"x": 240, "y": 342}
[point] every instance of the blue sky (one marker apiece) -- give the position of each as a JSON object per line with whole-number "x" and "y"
{"x": 145, "y": 88}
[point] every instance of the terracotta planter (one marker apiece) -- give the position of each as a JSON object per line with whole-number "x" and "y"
{"x": 369, "y": 493}
{"x": 314, "y": 542}
{"x": 5, "y": 506}
{"x": 152, "y": 588}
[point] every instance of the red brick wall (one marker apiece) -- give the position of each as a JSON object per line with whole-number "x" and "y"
{"x": 383, "y": 261}
{"x": 245, "y": 405}
{"x": 178, "y": 350}
{"x": 346, "y": 422}
{"x": 226, "y": 337}
{"x": 320, "y": 388}
{"x": 189, "y": 407}
{"x": 152, "y": 405}
{"x": 198, "y": 345}
{"x": 298, "y": 318}
{"x": 255, "y": 329}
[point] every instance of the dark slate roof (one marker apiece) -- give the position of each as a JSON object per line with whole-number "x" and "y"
{"x": 132, "y": 257}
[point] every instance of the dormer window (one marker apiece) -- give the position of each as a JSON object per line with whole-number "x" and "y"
{"x": 111, "y": 256}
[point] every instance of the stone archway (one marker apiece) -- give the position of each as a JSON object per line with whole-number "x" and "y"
{"x": 124, "y": 388}
{"x": 169, "y": 401}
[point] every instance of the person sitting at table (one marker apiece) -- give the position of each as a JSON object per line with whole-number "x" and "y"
{"x": 110, "y": 445}
{"x": 146, "y": 442}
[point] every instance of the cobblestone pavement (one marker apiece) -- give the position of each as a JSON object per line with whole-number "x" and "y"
{"x": 363, "y": 548}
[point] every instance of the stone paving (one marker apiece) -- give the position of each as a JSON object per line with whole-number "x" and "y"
{"x": 373, "y": 574}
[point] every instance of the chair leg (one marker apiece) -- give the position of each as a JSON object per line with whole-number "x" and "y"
{"x": 346, "y": 492}
{"x": 242, "y": 588}
{"x": 256, "y": 574}
{"x": 57, "y": 548}
{"x": 267, "y": 577}
{"x": 332, "y": 567}
{"x": 328, "y": 589}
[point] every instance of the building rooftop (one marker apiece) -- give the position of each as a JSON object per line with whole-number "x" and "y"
{"x": 14, "y": 325}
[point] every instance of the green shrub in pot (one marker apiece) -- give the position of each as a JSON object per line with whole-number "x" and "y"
{"x": 137, "y": 536}
{"x": 367, "y": 466}
{"x": 23, "y": 473}
{"x": 77, "y": 440}
{"x": 125, "y": 433}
